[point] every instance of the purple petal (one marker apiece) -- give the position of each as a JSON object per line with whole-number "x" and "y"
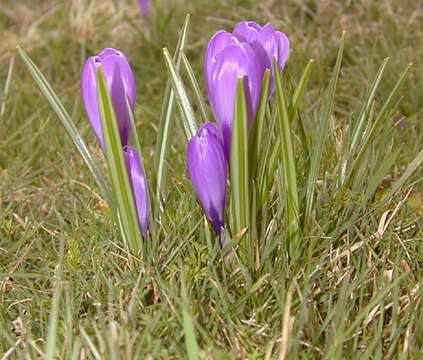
{"x": 217, "y": 43}
{"x": 120, "y": 83}
{"x": 144, "y": 8}
{"x": 232, "y": 63}
{"x": 139, "y": 189}
{"x": 207, "y": 170}
{"x": 247, "y": 31}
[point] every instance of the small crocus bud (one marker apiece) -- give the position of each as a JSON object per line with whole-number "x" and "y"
{"x": 207, "y": 170}
{"x": 121, "y": 85}
{"x": 226, "y": 60}
{"x": 144, "y": 8}
{"x": 138, "y": 184}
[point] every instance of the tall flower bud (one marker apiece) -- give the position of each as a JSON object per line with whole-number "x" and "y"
{"x": 207, "y": 170}
{"x": 121, "y": 85}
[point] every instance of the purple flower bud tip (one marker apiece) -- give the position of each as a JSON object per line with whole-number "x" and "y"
{"x": 207, "y": 170}
{"x": 144, "y": 8}
{"x": 245, "y": 53}
{"x": 120, "y": 83}
{"x": 138, "y": 185}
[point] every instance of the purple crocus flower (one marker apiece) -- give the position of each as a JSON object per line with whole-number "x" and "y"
{"x": 226, "y": 60}
{"x": 144, "y": 8}
{"x": 274, "y": 43}
{"x": 207, "y": 170}
{"x": 138, "y": 184}
{"x": 120, "y": 83}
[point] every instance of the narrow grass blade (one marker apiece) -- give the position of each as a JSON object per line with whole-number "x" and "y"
{"x": 187, "y": 114}
{"x": 150, "y": 199}
{"x": 299, "y": 90}
{"x": 324, "y": 115}
{"x": 166, "y": 116}
{"x": 190, "y": 340}
{"x": 239, "y": 163}
{"x": 54, "y": 314}
{"x": 256, "y": 134}
{"x": 414, "y": 165}
{"x": 70, "y": 127}
{"x": 379, "y": 119}
{"x": 287, "y": 156}
{"x": 359, "y": 128}
{"x": 127, "y": 212}
{"x": 292, "y": 110}
{"x": 195, "y": 86}
{"x": 90, "y": 343}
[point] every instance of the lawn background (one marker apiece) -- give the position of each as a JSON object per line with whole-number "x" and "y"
{"x": 364, "y": 304}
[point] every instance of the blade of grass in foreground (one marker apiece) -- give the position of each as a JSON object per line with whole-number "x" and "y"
{"x": 187, "y": 114}
{"x": 239, "y": 166}
{"x": 166, "y": 116}
{"x": 325, "y": 113}
{"x": 54, "y": 315}
{"x": 70, "y": 127}
{"x": 127, "y": 213}
{"x": 287, "y": 158}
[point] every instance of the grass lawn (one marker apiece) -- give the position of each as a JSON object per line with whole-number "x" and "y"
{"x": 69, "y": 287}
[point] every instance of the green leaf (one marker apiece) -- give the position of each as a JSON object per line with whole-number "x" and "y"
{"x": 190, "y": 340}
{"x": 256, "y": 134}
{"x": 127, "y": 213}
{"x": 326, "y": 109}
{"x": 287, "y": 157}
{"x": 195, "y": 86}
{"x": 166, "y": 116}
{"x": 70, "y": 127}
{"x": 239, "y": 163}
{"x": 54, "y": 314}
{"x": 187, "y": 114}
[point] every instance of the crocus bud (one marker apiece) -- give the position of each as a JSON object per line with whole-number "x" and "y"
{"x": 121, "y": 85}
{"x": 274, "y": 43}
{"x": 226, "y": 60}
{"x": 144, "y": 8}
{"x": 138, "y": 184}
{"x": 207, "y": 170}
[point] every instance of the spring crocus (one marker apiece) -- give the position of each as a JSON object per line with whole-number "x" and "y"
{"x": 274, "y": 43}
{"x": 226, "y": 60}
{"x": 207, "y": 170}
{"x": 121, "y": 85}
{"x": 144, "y": 8}
{"x": 138, "y": 185}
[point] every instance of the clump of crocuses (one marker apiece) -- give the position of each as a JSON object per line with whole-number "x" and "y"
{"x": 245, "y": 53}
{"x": 121, "y": 86}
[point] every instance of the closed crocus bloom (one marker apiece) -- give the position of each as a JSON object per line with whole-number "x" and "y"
{"x": 231, "y": 61}
{"x": 144, "y": 8}
{"x": 120, "y": 83}
{"x": 207, "y": 170}
{"x": 138, "y": 184}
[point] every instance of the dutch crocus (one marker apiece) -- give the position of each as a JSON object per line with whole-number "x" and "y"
{"x": 274, "y": 43}
{"x": 121, "y": 85}
{"x": 138, "y": 185}
{"x": 144, "y": 8}
{"x": 227, "y": 59}
{"x": 207, "y": 170}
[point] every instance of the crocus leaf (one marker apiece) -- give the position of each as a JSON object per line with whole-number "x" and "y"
{"x": 127, "y": 213}
{"x": 70, "y": 127}
{"x": 166, "y": 117}
{"x": 239, "y": 164}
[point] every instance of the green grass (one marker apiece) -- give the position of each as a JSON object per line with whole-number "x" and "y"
{"x": 68, "y": 287}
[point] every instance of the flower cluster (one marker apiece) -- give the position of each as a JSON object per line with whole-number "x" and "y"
{"x": 121, "y": 85}
{"x": 245, "y": 53}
